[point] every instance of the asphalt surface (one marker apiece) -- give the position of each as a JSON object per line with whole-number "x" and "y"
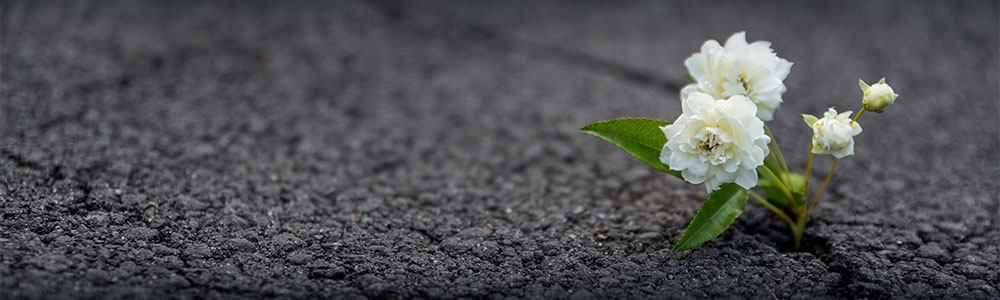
{"x": 431, "y": 150}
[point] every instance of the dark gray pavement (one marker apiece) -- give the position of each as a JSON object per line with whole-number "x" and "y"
{"x": 405, "y": 149}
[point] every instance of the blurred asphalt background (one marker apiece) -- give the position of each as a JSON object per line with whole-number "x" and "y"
{"x": 431, "y": 149}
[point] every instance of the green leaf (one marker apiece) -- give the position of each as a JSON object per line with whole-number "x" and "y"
{"x": 642, "y": 138}
{"x": 690, "y": 78}
{"x": 714, "y": 216}
{"x": 810, "y": 119}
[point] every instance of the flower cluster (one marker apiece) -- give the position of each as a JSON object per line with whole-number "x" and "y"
{"x": 703, "y": 144}
{"x": 740, "y": 72}
{"x": 721, "y": 139}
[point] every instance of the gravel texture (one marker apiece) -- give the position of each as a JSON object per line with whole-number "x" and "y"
{"x": 404, "y": 149}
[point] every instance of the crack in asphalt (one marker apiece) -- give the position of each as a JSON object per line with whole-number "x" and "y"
{"x": 450, "y": 28}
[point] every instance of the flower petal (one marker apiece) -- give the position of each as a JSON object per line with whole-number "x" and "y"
{"x": 747, "y": 178}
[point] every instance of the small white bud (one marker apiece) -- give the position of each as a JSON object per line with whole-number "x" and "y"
{"x": 834, "y": 133}
{"x": 877, "y": 96}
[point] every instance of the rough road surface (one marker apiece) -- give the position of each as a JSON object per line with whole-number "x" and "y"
{"x": 431, "y": 150}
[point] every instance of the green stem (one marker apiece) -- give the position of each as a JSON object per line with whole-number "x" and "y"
{"x": 774, "y": 178}
{"x": 822, "y": 187}
{"x": 803, "y": 217}
{"x": 774, "y": 157}
{"x": 856, "y": 117}
{"x": 797, "y": 234}
{"x": 773, "y": 209}
{"x": 777, "y": 150}
{"x": 809, "y": 168}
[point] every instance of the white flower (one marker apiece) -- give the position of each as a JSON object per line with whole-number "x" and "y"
{"x": 877, "y": 96}
{"x": 750, "y": 70}
{"x": 716, "y": 141}
{"x": 833, "y": 134}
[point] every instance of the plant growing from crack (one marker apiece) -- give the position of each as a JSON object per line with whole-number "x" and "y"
{"x": 721, "y": 139}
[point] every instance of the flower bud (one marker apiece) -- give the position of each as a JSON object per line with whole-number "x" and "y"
{"x": 877, "y": 96}
{"x": 834, "y": 133}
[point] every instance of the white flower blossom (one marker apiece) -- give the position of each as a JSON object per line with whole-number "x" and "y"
{"x": 716, "y": 141}
{"x": 877, "y": 96}
{"x": 738, "y": 68}
{"x": 834, "y": 133}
